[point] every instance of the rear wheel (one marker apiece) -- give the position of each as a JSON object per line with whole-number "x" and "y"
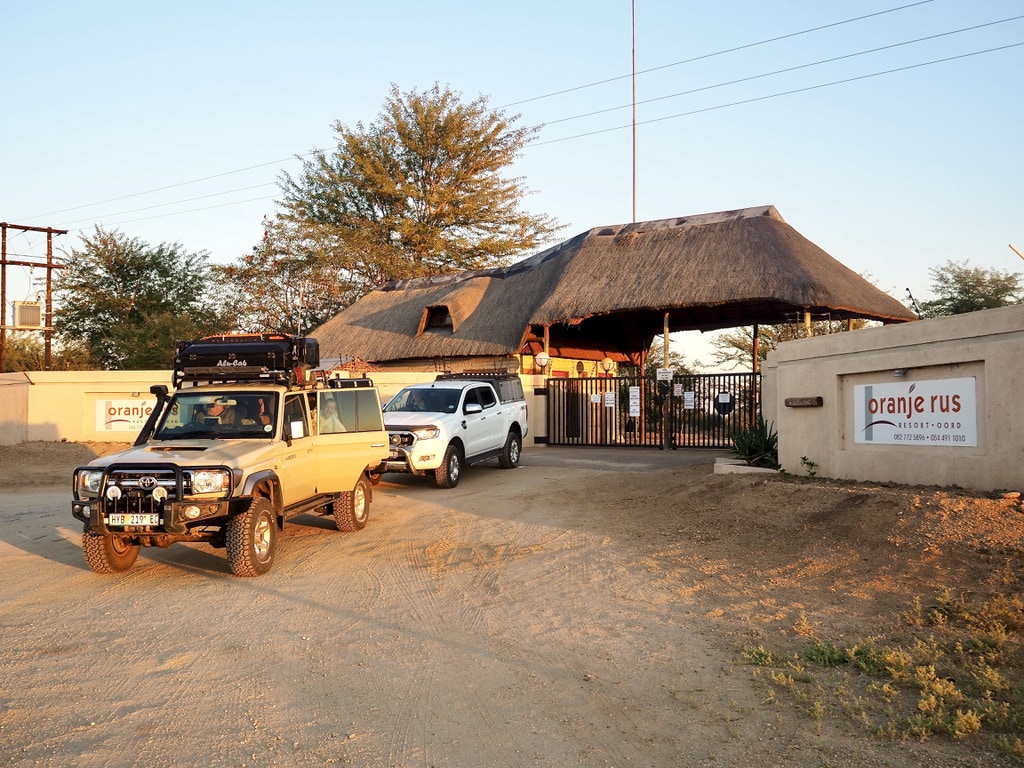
{"x": 109, "y": 554}
{"x": 509, "y": 456}
{"x": 352, "y": 510}
{"x": 252, "y": 539}
{"x": 447, "y": 475}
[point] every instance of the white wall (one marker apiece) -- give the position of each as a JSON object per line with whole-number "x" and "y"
{"x": 74, "y": 405}
{"x": 986, "y": 347}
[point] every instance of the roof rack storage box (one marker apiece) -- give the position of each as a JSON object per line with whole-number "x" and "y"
{"x": 246, "y": 357}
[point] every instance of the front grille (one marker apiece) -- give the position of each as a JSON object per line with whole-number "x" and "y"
{"x": 137, "y": 485}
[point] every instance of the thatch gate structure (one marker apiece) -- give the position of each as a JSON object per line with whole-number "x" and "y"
{"x": 607, "y": 293}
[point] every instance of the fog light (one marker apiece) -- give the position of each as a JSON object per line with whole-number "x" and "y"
{"x": 113, "y": 493}
{"x": 192, "y": 512}
{"x": 159, "y": 494}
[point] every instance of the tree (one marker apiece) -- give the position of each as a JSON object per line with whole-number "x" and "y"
{"x": 961, "y": 289}
{"x": 735, "y": 348}
{"x": 26, "y": 351}
{"x": 129, "y": 303}
{"x": 655, "y": 359}
{"x": 420, "y": 192}
{"x": 282, "y": 286}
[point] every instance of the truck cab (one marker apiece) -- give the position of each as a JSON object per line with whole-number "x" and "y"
{"x": 439, "y": 427}
{"x": 252, "y": 436}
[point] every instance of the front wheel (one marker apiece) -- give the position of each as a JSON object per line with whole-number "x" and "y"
{"x": 352, "y": 510}
{"x": 509, "y": 456}
{"x": 447, "y": 475}
{"x": 109, "y": 554}
{"x": 252, "y": 539}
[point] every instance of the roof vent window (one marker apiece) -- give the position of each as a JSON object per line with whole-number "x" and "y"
{"x": 438, "y": 319}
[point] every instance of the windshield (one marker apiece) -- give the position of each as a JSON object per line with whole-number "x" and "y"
{"x": 218, "y": 415}
{"x": 424, "y": 399}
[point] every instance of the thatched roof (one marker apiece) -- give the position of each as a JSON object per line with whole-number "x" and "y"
{"x": 606, "y": 291}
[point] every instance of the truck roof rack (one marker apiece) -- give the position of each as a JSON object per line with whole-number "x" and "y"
{"x": 476, "y": 375}
{"x": 264, "y": 357}
{"x": 349, "y": 383}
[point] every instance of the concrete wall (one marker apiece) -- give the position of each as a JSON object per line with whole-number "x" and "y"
{"x": 110, "y": 406}
{"x": 985, "y": 349}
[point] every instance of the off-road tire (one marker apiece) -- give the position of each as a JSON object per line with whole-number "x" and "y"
{"x": 509, "y": 456}
{"x": 447, "y": 475}
{"x": 108, "y": 554}
{"x": 252, "y": 539}
{"x": 352, "y": 510}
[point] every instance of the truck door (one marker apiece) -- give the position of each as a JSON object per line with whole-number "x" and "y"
{"x": 351, "y": 436}
{"x": 298, "y": 464}
{"x": 483, "y": 429}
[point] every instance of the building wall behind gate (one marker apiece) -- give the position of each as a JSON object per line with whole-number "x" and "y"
{"x": 110, "y": 406}
{"x": 811, "y": 385}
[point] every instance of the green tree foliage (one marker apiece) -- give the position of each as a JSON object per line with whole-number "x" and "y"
{"x": 130, "y": 303}
{"x": 283, "y": 286}
{"x": 735, "y": 348}
{"x": 26, "y": 351}
{"x": 655, "y": 359}
{"x": 961, "y": 288}
{"x": 419, "y": 192}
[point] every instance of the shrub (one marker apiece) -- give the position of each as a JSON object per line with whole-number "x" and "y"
{"x": 757, "y": 445}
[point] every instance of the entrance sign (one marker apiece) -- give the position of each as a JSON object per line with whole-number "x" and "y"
{"x": 122, "y": 415}
{"x": 941, "y": 412}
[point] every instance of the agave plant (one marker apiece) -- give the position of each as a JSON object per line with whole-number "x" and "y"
{"x": 758, "y": 445}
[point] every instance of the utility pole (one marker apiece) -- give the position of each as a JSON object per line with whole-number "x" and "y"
{"x": 49, "y": 265}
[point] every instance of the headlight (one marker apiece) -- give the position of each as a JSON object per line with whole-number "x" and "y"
{"x": 210, "y": 481}
{"x": 88, "y": 481}
{"x": 426, "y": 433}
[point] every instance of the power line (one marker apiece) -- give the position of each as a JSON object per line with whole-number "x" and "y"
{"x": 787, "y": 69}
{"x": 755, "y": 99}
{"x": 176, "y": 202}
{"x": 716, "y": 53}
{"x": 524, "y": 101}
{"x": 591, "y": 133}
{"x": 178, "y": 213}
{"x": 169, "y": 186}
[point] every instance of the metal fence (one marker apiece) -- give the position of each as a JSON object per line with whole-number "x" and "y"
{"x": 698, "y": 411}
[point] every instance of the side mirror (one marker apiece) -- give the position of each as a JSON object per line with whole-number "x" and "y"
{"x": 472, "y": 408}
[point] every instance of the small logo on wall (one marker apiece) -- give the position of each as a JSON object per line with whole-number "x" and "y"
{"x": 122, "y": 415}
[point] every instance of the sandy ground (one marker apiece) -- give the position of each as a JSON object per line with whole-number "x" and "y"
{"x": 572, "y": 612}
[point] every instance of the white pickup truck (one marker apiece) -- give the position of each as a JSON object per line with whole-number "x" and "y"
{"x": 441, "y": 426}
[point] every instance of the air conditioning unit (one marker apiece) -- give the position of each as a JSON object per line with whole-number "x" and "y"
{"x": 28, "y": 314}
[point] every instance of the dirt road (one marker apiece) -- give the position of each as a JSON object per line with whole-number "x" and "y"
{"x": 554, "y": 615}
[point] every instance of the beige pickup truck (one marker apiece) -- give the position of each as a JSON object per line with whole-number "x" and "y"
{"x": 250, "y": 437}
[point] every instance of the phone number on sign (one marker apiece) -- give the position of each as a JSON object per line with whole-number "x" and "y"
{"x": 917, "y": 437}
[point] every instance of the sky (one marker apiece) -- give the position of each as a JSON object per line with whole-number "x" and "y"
{"x": 888, "y": 132}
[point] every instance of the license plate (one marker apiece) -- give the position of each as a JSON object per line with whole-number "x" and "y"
{"x": 137, "y": 519}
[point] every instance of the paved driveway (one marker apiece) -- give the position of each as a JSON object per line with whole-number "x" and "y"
{"x": 633, "y": 459}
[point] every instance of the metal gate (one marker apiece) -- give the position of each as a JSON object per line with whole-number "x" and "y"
{"x": 693, "y": 411}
